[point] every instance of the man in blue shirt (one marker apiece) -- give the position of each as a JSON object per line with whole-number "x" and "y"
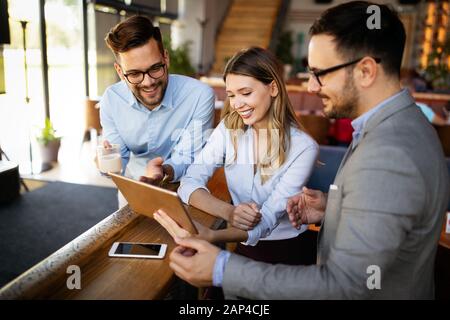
{"x": 433, "y": 117}
{"x": 158, "y": 119}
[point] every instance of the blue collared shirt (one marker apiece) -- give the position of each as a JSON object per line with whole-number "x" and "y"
{"x": 175, "y": 130}
{"x": 359, "y": 123}
{"x": 426, "y": 110}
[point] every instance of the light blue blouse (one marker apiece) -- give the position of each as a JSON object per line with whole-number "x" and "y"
{"x": 245, "y": 186}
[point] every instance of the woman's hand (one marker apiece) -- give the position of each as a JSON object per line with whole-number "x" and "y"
{"x": 178, "y": 232}
{"x": 245, "y": 216}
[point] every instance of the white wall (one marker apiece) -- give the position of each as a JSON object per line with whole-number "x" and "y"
{"x": 302, "y": 14}
{"x": 187, "y": 28}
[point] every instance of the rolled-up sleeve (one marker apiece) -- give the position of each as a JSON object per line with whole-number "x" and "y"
{"x": 206, "y": 162}
{"x": 296, "y": 175}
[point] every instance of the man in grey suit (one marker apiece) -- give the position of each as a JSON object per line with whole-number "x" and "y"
{"x": 381, "y": 219}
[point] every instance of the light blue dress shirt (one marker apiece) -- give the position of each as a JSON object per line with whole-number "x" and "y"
{"x": 175, "y": 130}
{"x": 245, "y": 186}
{"x": 426, "y": 110}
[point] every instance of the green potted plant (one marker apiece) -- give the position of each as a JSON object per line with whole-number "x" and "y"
{"x": 49, "y": 142}
{"x": 437, "y": 71}
{"x": 284, "y": 52}
{"x": 179, "y": 58}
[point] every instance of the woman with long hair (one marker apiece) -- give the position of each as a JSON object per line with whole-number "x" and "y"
{"x": 266, "y": 156}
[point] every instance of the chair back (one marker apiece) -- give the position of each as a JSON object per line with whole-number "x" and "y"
{"x": 316, "y": 126}
{"x": 444, "y": 136}
{"x": 448, "y": 168}
{"x": 324, "y": 174}
{"x": 92, "y": 114}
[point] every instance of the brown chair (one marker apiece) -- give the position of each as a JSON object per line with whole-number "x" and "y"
{"x": 92, "y": 116}
{"x": 218, "y": 187}
{"x": 312, "y": 102}
{"x": 220, "y": 93}
{"x": 217, "y": 118}
{"x": 316, "y": 126}
{"x": 296, "y": 98}
{"x": 444, "y": 135}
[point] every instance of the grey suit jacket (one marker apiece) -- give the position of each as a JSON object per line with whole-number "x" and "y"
{"x": 383, "y": 217}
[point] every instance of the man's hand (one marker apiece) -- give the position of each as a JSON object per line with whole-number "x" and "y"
{"x": 193, "y": 261}
{"x": 106, "y": 145}
{"x": 154, "y": 169}
{"x": 157, "y": 173}
{"x": 306, "y": 207}
{"x": 245, "y": 216}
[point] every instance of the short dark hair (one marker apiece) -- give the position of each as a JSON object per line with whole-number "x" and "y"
{"x": 347, "y": 23}
{"x": 132, "y": 33}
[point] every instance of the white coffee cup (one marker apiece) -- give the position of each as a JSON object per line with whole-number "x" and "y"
{"x": 109, "y": 159}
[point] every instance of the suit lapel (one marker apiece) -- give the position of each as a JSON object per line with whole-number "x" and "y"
{"x": 399, "y": 103}
{"x": 346, "y": 156}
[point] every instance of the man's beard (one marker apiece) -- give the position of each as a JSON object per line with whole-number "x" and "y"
{"x": 346, "y": 104}
{"x": 152, "y": 102}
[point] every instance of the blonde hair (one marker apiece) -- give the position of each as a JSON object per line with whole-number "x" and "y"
{"x": 263, "y": 66}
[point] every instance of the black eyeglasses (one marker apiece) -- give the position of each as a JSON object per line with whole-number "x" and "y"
{"x": 154, "y": 72}
{"x": 318, "y": 73}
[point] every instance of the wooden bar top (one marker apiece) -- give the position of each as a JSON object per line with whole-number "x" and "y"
{"x": 104, "y": 277}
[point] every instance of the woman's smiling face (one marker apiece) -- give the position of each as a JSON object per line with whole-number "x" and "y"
{"x": 250, "y": 98}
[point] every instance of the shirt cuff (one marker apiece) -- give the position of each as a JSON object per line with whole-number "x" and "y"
{"x": 219, "y": 267}
{"x": 256, "y": 233}
{"x": 178, "y": 170}
{"x": 185, "y": 190}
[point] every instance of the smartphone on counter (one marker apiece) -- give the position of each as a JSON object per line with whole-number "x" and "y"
{"x": 138, "y": 250}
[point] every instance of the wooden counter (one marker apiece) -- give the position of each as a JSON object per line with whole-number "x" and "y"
{"x": 104, "y": 277}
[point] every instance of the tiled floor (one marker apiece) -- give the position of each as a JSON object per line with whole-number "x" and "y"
{"x": 75, "y": 169}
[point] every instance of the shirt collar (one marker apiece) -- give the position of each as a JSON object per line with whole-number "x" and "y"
{"x": 167, "y": 100}
{"x": 359, "y": 123}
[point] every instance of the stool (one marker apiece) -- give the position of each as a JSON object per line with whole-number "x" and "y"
{"x": 9, "y": 181}
{"x": 92, "y": 116}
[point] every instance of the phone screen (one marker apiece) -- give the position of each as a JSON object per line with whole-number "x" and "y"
{"x": 138, "y": 249}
